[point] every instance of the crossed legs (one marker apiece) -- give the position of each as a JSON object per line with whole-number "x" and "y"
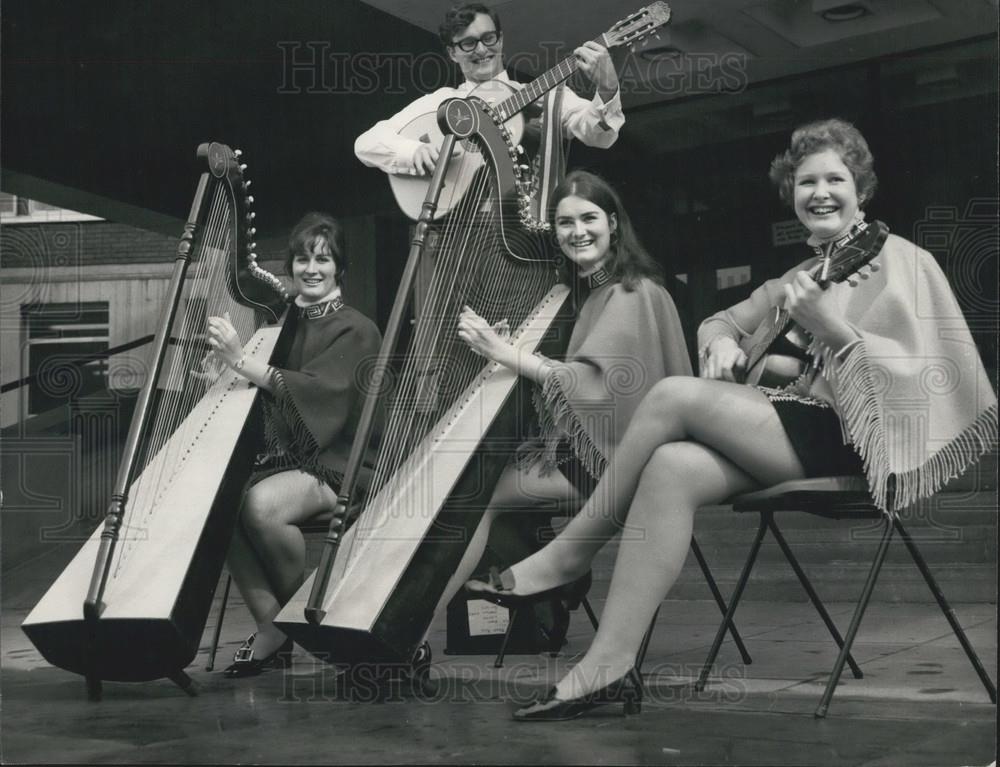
{"x": 691, "y": 442}
{"x": 267, "y": 554}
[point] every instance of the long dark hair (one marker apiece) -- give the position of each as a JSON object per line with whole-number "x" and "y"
{"x": 629, "y": 262}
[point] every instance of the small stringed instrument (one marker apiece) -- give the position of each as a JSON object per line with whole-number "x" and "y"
{"x": 776, "y": 351}
{"x": 410, "y": 191}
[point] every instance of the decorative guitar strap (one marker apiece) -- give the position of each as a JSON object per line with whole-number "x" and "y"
{"x": 548, "y": 165}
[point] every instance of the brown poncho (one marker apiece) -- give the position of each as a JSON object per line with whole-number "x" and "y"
{"x": 623, "y": 342}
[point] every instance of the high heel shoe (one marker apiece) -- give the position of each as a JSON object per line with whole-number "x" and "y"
{"x": 499, "y": 586}
{"x": 245, "y": 664}
{"x": 552, "y": 709}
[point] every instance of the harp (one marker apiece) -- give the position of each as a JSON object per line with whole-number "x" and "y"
{"x": 451, "y": 421}
{"x": 133, "y": 602}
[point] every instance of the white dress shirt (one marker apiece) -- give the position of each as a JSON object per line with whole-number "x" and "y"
{"x": 594, "y": 122}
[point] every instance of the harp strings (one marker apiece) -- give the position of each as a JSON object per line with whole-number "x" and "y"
{"x": 471, "y": 268}
{"x": 189, "y": 374}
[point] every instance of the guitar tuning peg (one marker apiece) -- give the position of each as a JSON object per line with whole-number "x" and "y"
{"x": 520, "y": 149}
{"x": 852, "y": 283}
{"x": 656, "y": 35}
{"x": 237, "y": 153}
{"x": 251, "y": 216}
{"x": 253, "y": 247}
{"x": 243, "y": 167}
{"x": 246, "y": 184}
{"x": 873, "y": 266}
{"x": 863, "y": 274}
{"x": 251, "y": 232}
{"x": 250, "y": 199}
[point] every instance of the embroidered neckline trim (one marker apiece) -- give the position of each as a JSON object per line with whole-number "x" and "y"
{"x": 315, "y": 311}
{"x": 598, "y": 278}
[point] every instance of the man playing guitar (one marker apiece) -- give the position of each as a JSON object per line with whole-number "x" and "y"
{"x": 473, "y": 39}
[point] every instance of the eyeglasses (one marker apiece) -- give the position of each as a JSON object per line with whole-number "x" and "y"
{"x": 468, "y": 44}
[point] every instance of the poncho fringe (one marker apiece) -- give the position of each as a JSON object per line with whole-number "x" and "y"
{"x": 862, "y": 424}
{"x": 557, "y": 420}
{"x": 299, "y": 447}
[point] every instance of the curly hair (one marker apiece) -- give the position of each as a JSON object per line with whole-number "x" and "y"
{"x": 461, "y": 16}
{"x": 836, "y": 134}
{"x": 629, "y": 262}
{"x": 318, "y": 226}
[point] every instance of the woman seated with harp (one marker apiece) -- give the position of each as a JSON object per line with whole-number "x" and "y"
{"x": 312, "y": 405}
{"x": 627, "y": 335}
{"x": 873, "y": 351}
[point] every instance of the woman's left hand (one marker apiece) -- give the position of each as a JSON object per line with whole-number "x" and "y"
{"x": 224, "y": 340}
{"x": 816, "y": 310}
{"x": 482, "y": 337}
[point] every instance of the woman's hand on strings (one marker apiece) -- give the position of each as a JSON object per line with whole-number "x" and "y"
{"x": 224, "y": 340}
{"x": 209, "y": 369}
{"x": 816, "y": 310}
{"x": 726, "y": 361}
{"x": 490, "y": 341}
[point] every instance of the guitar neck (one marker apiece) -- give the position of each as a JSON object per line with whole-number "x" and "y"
{"x": 541, "y": 85}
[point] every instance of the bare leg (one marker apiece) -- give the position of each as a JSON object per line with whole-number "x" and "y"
{"x": 517, "y": 489}
{"x": 678, "y": 479}
{"x": 268, "y": 531}
{"x": 736, "y": 421}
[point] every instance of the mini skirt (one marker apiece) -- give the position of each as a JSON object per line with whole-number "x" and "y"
{"x": 813, "y": 428}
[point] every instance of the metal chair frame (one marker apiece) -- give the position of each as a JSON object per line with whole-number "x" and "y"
{"x": 833, "y": 498}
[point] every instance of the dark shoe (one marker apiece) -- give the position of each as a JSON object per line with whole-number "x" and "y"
{"x": 553, "y": 709}
{"x": 420, "y": 672}
{"x": 499, "y": 586}
{"x": 244, "y": 664}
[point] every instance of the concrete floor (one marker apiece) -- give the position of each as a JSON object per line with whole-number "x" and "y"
{"x": 920, "y": 702}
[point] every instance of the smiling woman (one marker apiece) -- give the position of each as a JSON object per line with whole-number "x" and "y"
{"x": 695, "y": 442}
{"x": 626, "y": 337}
{"x": 312, "y": 405}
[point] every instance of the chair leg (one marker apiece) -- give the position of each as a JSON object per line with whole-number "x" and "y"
{"x": 590, "y": 612}
{"x": 727, "y": 620}
{"x": 932, "y": 583}
{"x": 717, "y": 595}
{"x": 813, "y": 596}
{"x": 218, "y": 624}
{"x": 859, "y": 612}
{"x": 512, "y": 616}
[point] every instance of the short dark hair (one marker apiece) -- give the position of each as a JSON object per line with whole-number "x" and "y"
{"x": 629, "y": 261}
{"x": 836, "y": 134}
{"x": 459, "y": 17}
{"x": 318, "y": 226}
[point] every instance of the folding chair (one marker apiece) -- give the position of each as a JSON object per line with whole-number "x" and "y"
{"x": 317, "y": 525}
{"x": 832, "y": 498}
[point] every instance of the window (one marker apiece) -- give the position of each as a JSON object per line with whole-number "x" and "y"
{"x": 58, "y": 335}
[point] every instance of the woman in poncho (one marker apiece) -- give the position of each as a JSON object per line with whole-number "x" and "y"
{"x": 312, "y": 405}
{"x": 893, "y": 388}
{"x": 626, "y": 337}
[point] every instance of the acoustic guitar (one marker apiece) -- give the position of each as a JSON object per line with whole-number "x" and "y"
{"x": 411, "y": 191}
{"x": 776, "y": 350}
